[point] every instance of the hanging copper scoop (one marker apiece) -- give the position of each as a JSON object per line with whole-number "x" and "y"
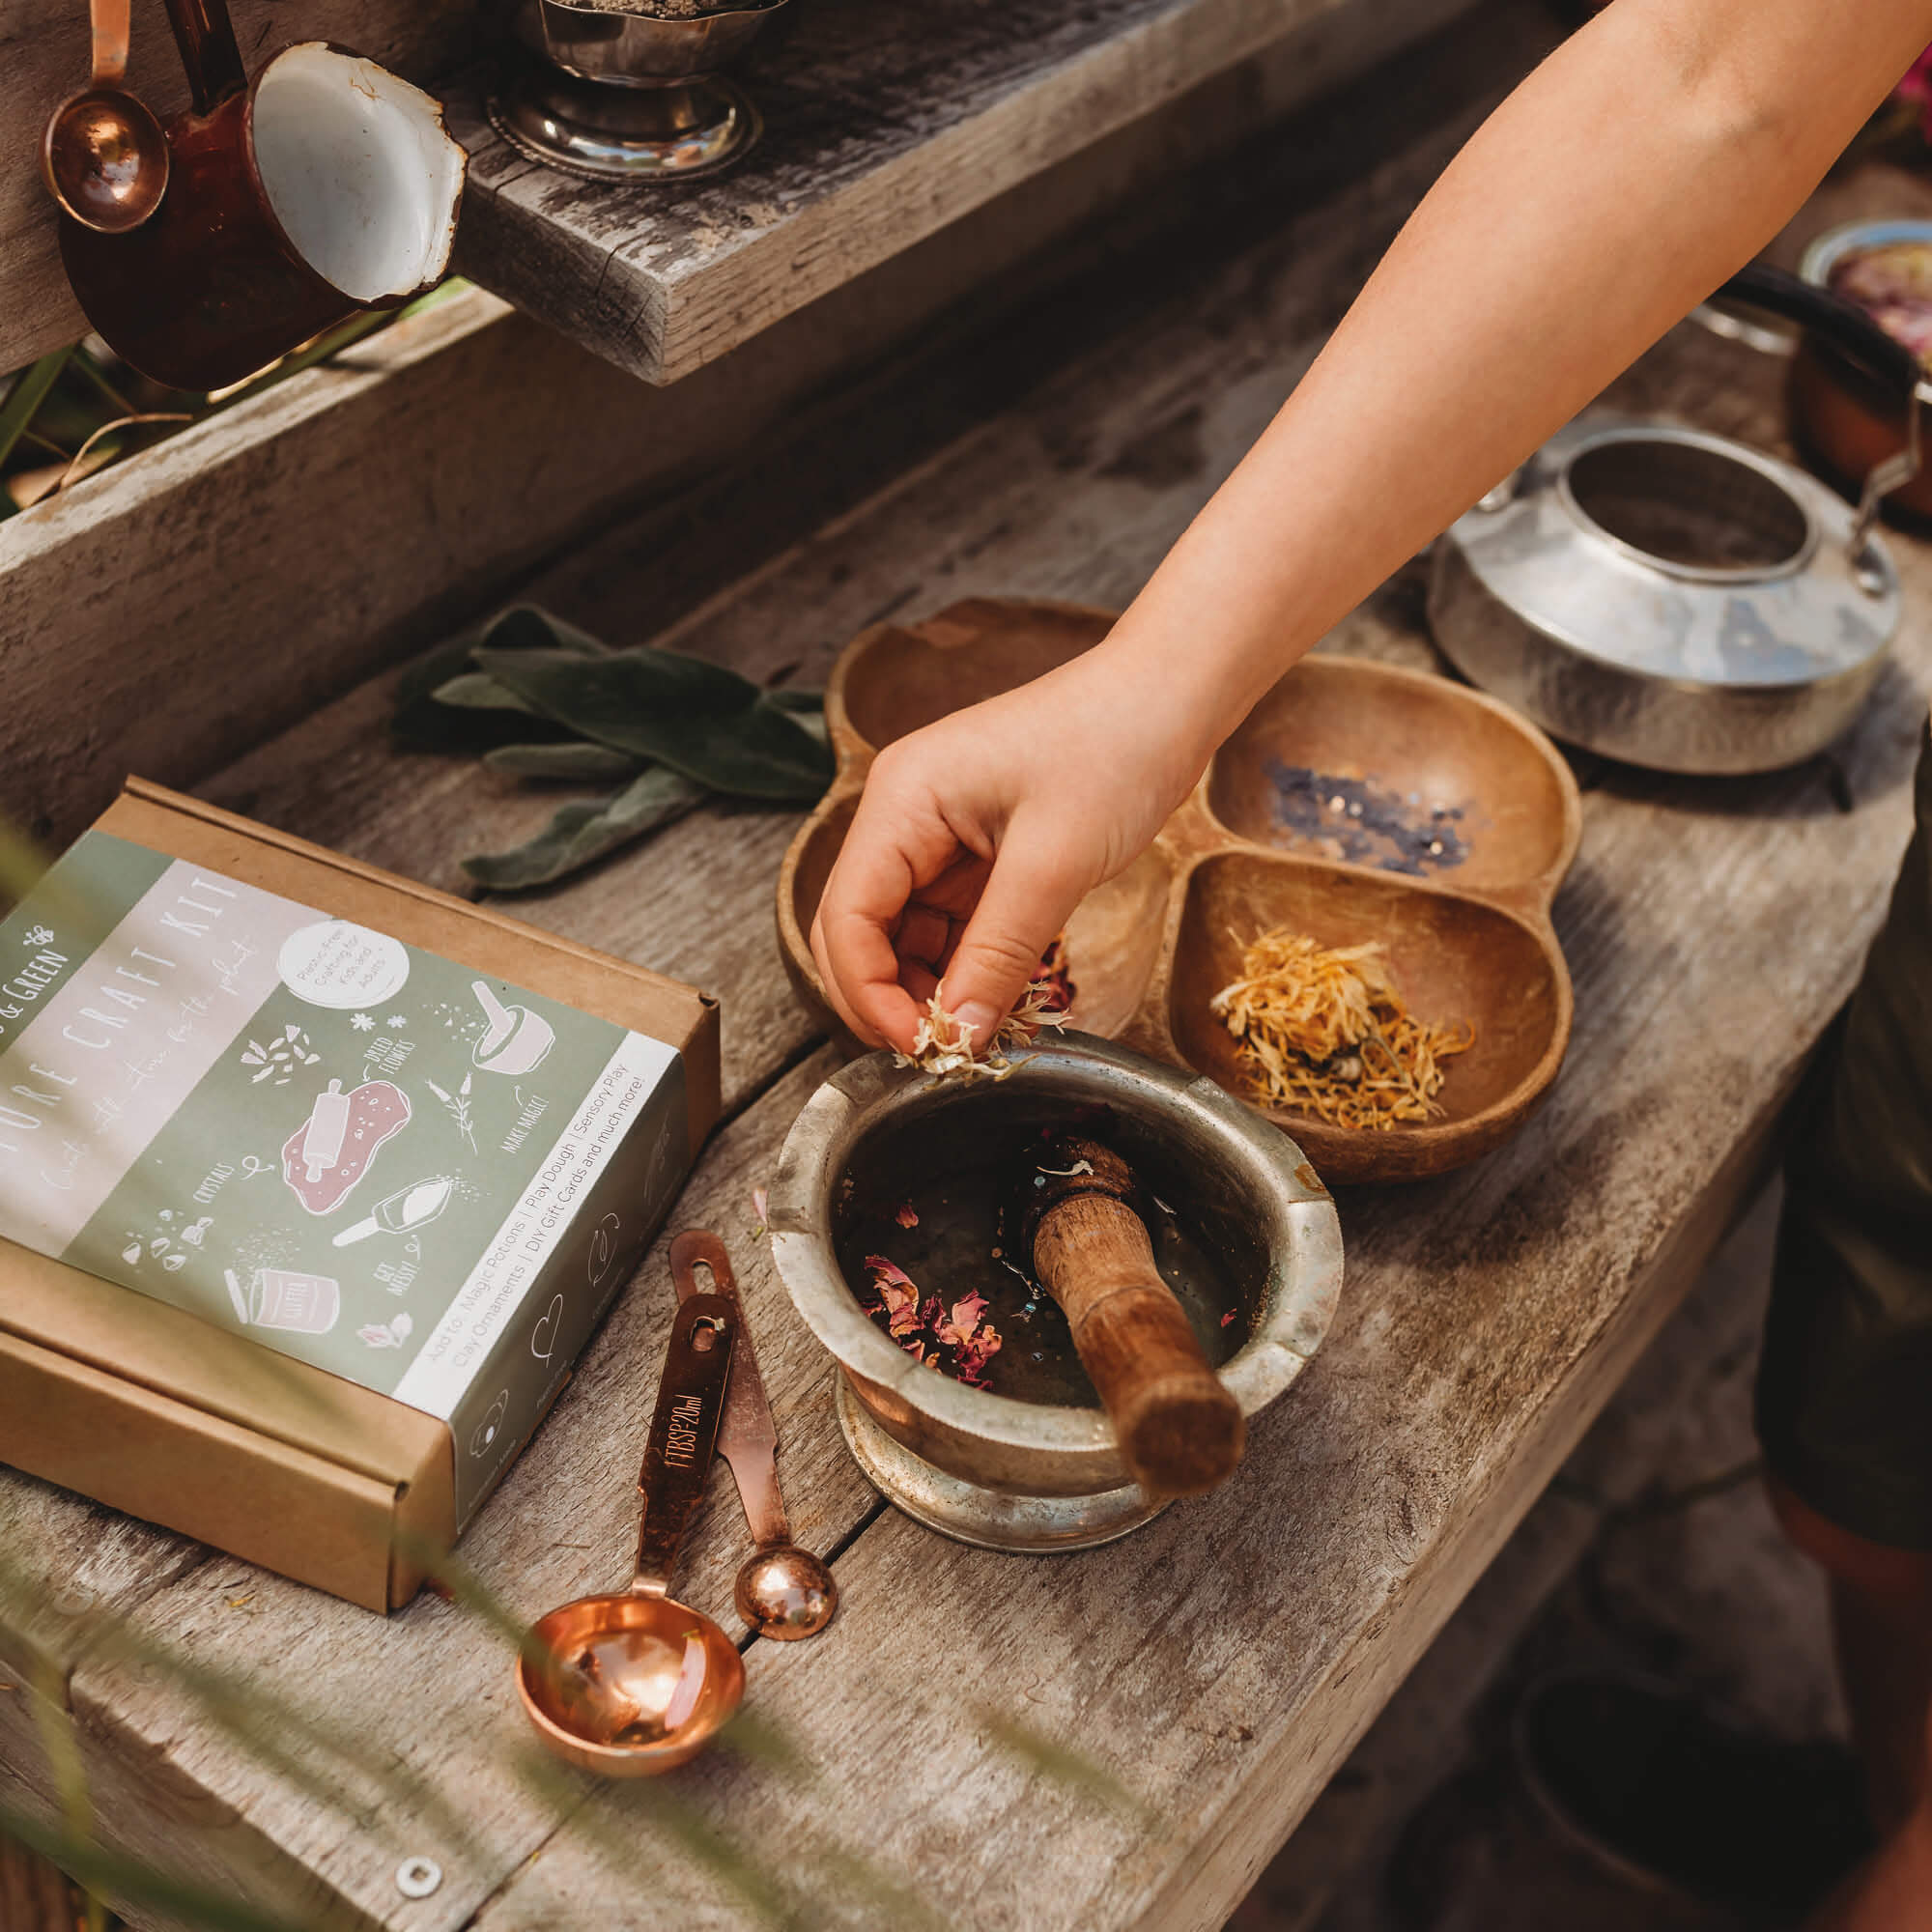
{"x": 636, "y": 1683}
{"x": 105, "y": 156}
{"x": 782, "y": 1591}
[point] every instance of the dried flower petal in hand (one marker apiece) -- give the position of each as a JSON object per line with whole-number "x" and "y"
{"x": 943, "y": 1047}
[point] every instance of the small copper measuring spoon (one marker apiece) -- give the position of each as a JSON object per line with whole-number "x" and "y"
{"x": 104, "y": 156}
{"x": 636, "y": 1683}
{"x": 782, "y": 1591}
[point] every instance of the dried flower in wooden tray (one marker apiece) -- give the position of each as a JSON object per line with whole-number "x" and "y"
{"x": 1323, "y": 1031}
{"x": 944, "y": 1047}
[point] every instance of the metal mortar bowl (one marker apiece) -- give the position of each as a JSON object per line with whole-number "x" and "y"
{"x": 1018, "y": 1475}
{"x": 620, "y": 94}
{"x": 640, "y": 49}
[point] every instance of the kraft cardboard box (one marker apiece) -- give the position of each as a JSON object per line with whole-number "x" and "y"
{"x": 313, "y": 1184}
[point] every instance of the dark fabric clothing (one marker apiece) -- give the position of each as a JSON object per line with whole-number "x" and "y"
{"x": 1844, "y": 1397}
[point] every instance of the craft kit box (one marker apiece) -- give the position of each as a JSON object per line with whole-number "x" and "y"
{"x": 313, "y": 1183}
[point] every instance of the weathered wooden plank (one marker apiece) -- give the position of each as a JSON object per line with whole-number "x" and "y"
{"x": 1221, "y": 1662}
{"x": 1487, "y": 1312}
{"x": 453, "y": 455}
{"x": 43, "y": 58}
{"x": 336, "y": 783}
{"x": 423, "y": 1699}
{"x": 34, "y": 1895}
{"x": 68, "y": 1568}
{"x": 885, "y": 123}
{"x": 1655, "y": 1431}
{"x": 1486, "y": 1315}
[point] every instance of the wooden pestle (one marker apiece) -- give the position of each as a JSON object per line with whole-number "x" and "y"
{"x": 1180, "y": 1432}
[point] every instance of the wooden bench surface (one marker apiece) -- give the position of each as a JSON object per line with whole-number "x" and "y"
{"x": 1217, "y": 1664}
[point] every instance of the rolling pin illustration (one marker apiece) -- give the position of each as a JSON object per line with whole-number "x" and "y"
{"x": 1180, "y": 1430}
{"x": 331, "y": 1152}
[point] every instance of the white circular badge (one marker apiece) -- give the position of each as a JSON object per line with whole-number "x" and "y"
{"x": 342, "y": 966}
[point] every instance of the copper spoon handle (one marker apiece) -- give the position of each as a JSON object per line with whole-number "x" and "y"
{"x": 684, "y": 1433}
{"x": 749, "y": 1439}
{"x": 112, "y": 24}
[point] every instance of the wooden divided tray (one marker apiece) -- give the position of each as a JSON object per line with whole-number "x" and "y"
{"x": 1356, "y": 802}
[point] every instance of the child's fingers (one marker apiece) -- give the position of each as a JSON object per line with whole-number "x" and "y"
{"x": 1034, "y": 886}
{"x": 879, "y": 1013}
{"x": 892, "y": 847}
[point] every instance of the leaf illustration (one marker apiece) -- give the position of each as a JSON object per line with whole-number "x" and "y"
{"x": 585, "y": 832}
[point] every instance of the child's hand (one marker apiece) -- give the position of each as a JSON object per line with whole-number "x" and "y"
{"x": 976, "y": 838}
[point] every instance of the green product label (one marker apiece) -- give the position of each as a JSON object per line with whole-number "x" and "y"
{"x": 359, "y": 1153}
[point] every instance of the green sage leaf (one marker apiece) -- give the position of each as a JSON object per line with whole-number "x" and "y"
{"x": 698, "y": 717}
{"x": 477, "y": 691}
{"x": 587, "y": 831}
{"x": 422, "y": 723}
{"x": 573, "y": 758}
{"x": 528, "y": 627}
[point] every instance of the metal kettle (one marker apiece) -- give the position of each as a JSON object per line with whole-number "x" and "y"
{"x": 1678, "y": 599}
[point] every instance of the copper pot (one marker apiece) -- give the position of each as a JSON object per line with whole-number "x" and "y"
{"x": 324, "y": 186}
{"x": 1848, "y": 421}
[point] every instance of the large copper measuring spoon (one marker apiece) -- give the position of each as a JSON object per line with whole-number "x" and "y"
{"x": 782, "y": 1591}
{"x": 636, "y": 1683}
{"x": 104, "y": 154}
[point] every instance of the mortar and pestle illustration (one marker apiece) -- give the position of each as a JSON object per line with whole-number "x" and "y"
{"x": 517, "y": 1040}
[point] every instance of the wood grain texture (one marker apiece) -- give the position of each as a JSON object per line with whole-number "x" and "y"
{"x": 43, "y": 58}
{"x": 1220, "y": 1661}
{"x": 453, "y": 456}
{"x": 34, "y": 1895}
{"x": 884, "y": 123}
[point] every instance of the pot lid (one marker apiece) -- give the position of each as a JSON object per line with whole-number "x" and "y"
{"x": 1681, "y": 557}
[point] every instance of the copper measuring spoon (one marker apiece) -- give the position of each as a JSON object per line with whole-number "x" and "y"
{"x": 782, "y": 1591}
{"x": 105, "y": 156}
{"x": 636, "y": 1683}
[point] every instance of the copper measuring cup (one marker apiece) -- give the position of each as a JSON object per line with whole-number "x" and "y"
{"x": 635, "y": 1683}
{"x": 782, "y": 1591}
{"x": 324, "y": 186}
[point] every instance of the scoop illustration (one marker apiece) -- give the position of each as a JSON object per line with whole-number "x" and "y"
{"x": 517, "y": 1038}
{"x": 413, "y": 1206}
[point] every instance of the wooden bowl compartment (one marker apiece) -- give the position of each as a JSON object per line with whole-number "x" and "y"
{"x": 1419, "y": 742}
{"x": 1471, "y": 940}
{"x": 1454, "y": 958}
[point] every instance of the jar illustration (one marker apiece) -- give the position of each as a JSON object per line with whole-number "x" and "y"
{"x": 308, "y": 1304}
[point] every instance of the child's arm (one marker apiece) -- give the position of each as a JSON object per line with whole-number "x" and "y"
{"x": 1650, "y": 157}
